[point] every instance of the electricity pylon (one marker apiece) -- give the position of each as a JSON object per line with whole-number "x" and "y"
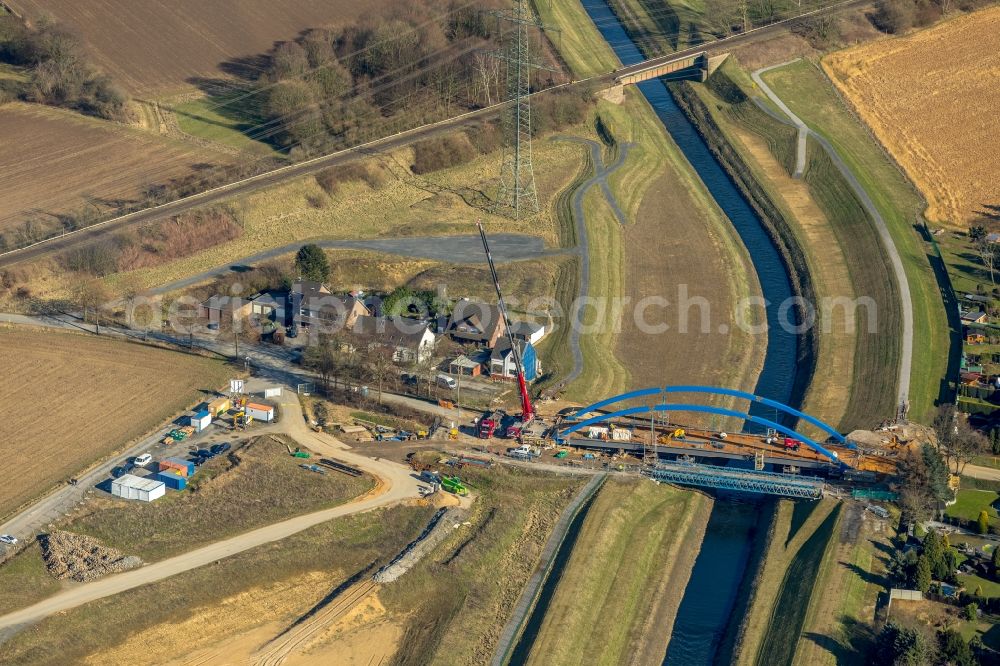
{"x": 517, "y": 193}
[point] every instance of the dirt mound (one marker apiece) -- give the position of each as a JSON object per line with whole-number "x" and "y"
{"x": 82, "y": 558}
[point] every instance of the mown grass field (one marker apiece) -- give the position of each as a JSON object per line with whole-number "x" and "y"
{"x": 650, "y": 533}
{"x": 851, "y": 576}
{"x": 222, "y": 119}
{"x": 795, "y": 523}
{"x": 807, "y": 92}
{"x": 73, "y": 399}
{"x": 275, "y": 582}
{"x": 970, "y": 502}
{"x": 798, "y": 588}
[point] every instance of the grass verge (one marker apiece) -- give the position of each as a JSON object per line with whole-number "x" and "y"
{"x": 809, "y": 94}
{"x": 578, "y": 41}
{"x": 797, "y": 589}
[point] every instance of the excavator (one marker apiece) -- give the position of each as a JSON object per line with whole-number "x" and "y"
{"x": 527, "y": 409}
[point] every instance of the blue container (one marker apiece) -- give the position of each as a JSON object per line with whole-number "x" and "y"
{"x": 172, "y": 480}
{"x": 188, "y": 465}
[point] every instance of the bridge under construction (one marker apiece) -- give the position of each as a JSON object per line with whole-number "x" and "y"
{"x": 777, "y": 459}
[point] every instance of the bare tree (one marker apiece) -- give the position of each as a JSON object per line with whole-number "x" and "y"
{"x": 379, "y": 366}
{"x": 987, "y": 252}
{"x": 91, "y": 296}
{"x": 958, "y": 442}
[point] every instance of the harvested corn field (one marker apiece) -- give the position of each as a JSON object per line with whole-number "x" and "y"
{"x": 78, "y": 398}
{"x": 913, "y": 90}
{"x": 73, "y": 164}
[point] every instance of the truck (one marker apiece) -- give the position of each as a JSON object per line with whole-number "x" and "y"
{"x": 489, "y": 424}
{"x": 792, "y": 444}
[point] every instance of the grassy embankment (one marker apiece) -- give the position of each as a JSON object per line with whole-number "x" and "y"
{"x": 650, "y": 534}
{"x": 652, "y": 157}
{"x": 809, "y": 95}
{"x": 783, "y": 585}
{"x": 855, "y": 379}
{"x": 485, "y": 564}
{"x": 247, "y": 489}
{"x": 274, "y": 582}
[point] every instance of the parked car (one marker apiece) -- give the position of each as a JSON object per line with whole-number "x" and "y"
{"x": 219, "y": 449}
{"x": 118, "y": 472}
{"x": 444, "y": 381}
{"x": 409, "y": 379}
{"x": 143, "y": 460}
{"x": 8, "y": 539}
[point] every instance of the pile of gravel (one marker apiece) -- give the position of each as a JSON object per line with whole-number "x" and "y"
{"x": 82, "y": 558}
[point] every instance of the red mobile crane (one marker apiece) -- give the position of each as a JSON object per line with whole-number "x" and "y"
{"x": 527, "y": 409}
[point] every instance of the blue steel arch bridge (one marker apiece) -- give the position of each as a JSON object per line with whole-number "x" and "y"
{"x": 831, "y": 455}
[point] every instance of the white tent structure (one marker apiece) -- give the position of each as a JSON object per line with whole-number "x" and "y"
{"x": 140, "y": 488}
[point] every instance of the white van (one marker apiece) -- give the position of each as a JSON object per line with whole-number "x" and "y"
{"x": 444, "y": 381}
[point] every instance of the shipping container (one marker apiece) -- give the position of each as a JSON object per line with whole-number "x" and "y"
{"x": 182, "y": 467}
{"x": 201, "y": 420}
{"x": 172, "y": 480}
{"x": 140, "y": 488}
{"x": 272, "y": 392}
{"x": 219, "y": 406}
{"x": 260, "y": 412}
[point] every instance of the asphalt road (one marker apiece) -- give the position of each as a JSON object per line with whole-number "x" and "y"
{"x": 396, "y": 483}
{"x": 905, "y": 300}
{"x": 465, "y": 249}
{"x": 390, "y": 143}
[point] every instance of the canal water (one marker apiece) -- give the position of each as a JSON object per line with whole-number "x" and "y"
{"x": 777, "y": 376}
{"x": 705, "y": 612}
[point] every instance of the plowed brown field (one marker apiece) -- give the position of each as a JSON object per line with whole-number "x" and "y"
{"x": 63, "y": 159}
{"x": 68, "y": 399}
{"x": 153, "y": 47}
{"x": 932, "y": 99}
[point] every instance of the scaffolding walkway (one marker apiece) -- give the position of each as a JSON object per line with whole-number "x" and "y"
{"x": 769, "y": 483}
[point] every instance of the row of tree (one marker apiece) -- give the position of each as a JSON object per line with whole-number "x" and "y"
{"x": 60, "y": 73}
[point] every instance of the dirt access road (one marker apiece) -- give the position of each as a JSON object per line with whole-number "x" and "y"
{"x": 290, "y": 172}
{"x": 396, "y": 483}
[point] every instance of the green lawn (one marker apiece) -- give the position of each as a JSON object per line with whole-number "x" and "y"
{"x": 971, "y": 502}
{"x": 990, "y": 588}
{"x": 987, "y": 461}
{"x": 810, "y": 95}
{"x": 222, "y": 119}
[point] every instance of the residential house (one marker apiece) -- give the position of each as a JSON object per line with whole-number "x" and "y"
{"x": 475, "y": 323}
{"x": 970, "y": 316}
{"x": 504, "y": 367}
{"x": 527, "y": 331}
{"x": 410, "y": 340}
